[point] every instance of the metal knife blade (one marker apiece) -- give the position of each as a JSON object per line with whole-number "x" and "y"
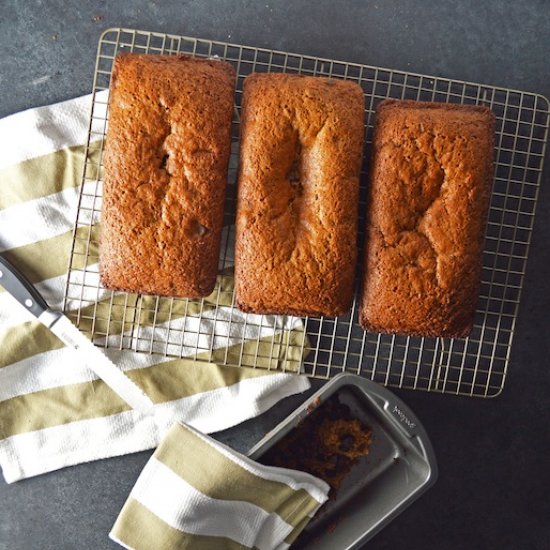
{"x": 27, "y": 295}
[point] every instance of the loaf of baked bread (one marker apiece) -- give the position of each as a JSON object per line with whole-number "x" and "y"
{"x": 430, "y": 185}
{"x": 166, "y": 158}
{"x": 296, "y": 228}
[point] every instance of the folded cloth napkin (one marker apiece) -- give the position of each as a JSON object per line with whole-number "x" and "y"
{"x": 53, "y": 411}
{"x": 197, "y": 493}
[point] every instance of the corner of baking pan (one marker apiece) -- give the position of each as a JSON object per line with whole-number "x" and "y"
{"x": 387, "y": 403}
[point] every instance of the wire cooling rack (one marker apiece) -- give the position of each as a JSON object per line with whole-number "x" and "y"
{"x": 214, "y": 330}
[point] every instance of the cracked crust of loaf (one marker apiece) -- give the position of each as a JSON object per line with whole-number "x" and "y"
{"x": 166, "y": 158}
{"x": 430, "y": 186}
{"x": 296, "y": 228}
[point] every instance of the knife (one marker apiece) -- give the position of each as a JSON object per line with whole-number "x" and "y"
{"x": 27, "y": 295}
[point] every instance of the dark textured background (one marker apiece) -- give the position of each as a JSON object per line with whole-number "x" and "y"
{"x": 494, "y": 455}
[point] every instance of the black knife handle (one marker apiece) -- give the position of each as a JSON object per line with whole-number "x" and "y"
{"x": 20, "y": 288}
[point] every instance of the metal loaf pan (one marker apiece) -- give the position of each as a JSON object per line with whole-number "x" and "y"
{"x": 400, "y": 466}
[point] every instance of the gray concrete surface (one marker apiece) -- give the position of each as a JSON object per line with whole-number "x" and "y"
{"x": 493, "y": 455}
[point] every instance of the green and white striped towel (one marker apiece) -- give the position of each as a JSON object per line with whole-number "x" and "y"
{"x": 53, "y": 411}
{"x": 197, "y": 493}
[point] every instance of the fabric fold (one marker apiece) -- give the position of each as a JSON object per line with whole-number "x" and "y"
{"x": 198, "y": 493}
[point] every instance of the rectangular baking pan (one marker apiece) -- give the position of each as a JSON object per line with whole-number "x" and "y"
{"x": 400, "y": 466}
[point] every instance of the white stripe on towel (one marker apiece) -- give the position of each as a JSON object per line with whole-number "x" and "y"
{"x": 48, "y": 129}
{"x": 181, "y": 506}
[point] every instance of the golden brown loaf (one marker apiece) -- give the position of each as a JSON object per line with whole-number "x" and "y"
{"x": 167, "y": 152}
{"x": 301, "y": 147}
{"x": 430, "y": 185}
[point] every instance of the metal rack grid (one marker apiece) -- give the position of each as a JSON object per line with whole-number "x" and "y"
{"x": 212, "y": 329}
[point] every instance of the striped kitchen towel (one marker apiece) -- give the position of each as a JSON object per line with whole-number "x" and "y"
{"x": 197, "y": 493}
{"x": 53, "y": 410}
